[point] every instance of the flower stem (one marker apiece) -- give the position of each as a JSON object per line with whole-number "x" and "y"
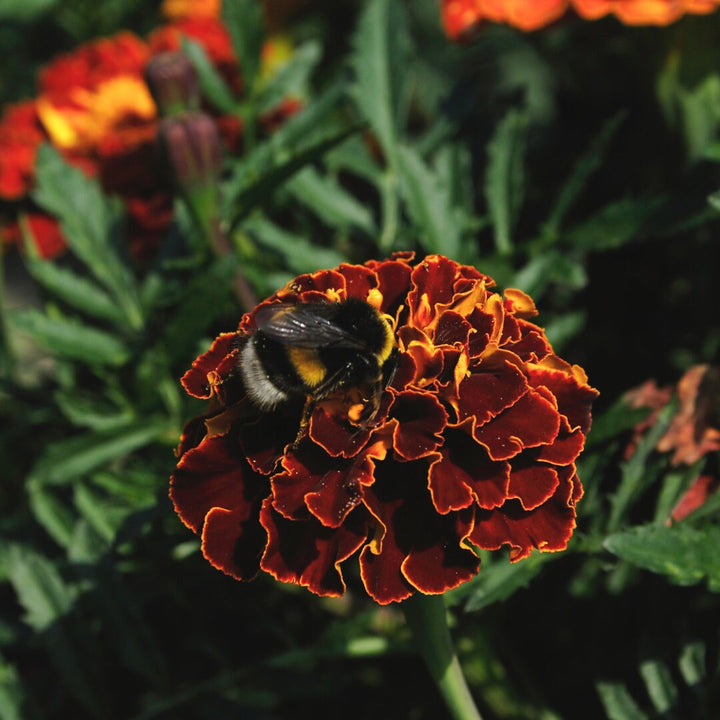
{"x": 425, "y": 615}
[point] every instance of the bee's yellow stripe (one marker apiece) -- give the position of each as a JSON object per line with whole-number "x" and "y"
{"x": 388, "y": 344}
{"x": 307, "y": 365}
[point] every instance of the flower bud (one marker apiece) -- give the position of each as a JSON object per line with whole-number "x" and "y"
{"x": 173, "y": 83}
{"x": 190, "y": 143}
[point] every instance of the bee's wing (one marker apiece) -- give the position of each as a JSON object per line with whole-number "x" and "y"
{"x": 305, "y": 325}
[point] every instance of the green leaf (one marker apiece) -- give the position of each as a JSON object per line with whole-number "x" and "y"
{"x": 379, "y": 59}
{"x": 636, "y": 474}
{"x": 428, "y": 203}
{"x": 659, "y": 683}
{"x": 52, "y": 514}
{"x": 686, "y": 555}
{"x": 581, "y": 173}
{"x": 499, "y": 580}
{"x": 41, "y": 591}
{"x": 297, "y": 252}
{"x": 68, "y": 338}
{"x": 618, "y": 703}
{"x": 330, "y": 201}
{"x": 47, "y": 601}
{"x": 212, "y": 83}
{"x": 206, "y": 296}
{"x": 88, "y": 221}
{"x": 91, "y": 410}
{"x": 25, "y": 9}
{"x": 244, "y": 21}
{"x": 291, "y": 79}
{"x": 257, "y": 178}
{"x": 614, "y": 226}
{"x": 67, "y": 460}
{"x": 75, "y": 290}
{"x": 504, "y": 177}
{"x": 692, "y": 663}
{"x": 13, "y": 699}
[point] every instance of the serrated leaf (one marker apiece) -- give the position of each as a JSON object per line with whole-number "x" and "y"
{"x": 212, "y": 83}
{"x": 379, "y": 60}
{"x": 428, "y": 203}
{"x": 52, "y": 514}
{"x": 253, "y": 185}
{"x": 69, "y": 339}
{"x": 500, "y": 580}
{"x": 614, "y": 226}
{"x": 75, "y": 290}
{"x": 84, "y": 409}
{"x": 291, "y": 79}
{"x": 660, "y": 686}
{"x": 244, "y": 21}
{"x": 582, "y": 171}
{"x": 88, "y": 220}
{"x": 329, "y": 200}
{"x": 68, "y": 460}
{"x": 686, "y": 555}
{"x": 618, "y": 703}
{"x": 298, "y": 253}
{"x": 104, "y": 515}
{"x": 505, "y": 177}
{"x": 43, "y": 594}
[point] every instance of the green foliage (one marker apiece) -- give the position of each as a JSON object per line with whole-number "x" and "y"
{"x": 541, "y": 159}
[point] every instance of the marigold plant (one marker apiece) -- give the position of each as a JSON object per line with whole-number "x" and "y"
{"x": 474, "y": 446}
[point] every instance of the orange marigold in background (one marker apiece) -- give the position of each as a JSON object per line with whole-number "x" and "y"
{"x": 177, "y": 9}
{"x": 461, "y": 18}
{"x": 693, "y": 433}
{"x": 643, "y": 12}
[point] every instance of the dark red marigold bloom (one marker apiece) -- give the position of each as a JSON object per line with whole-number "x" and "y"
{"x": 474, "y": 445}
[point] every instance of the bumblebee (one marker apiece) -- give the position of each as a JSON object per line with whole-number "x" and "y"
{"x": 318, "y": 351}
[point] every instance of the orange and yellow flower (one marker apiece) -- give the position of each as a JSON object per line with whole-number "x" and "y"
{"x": 461, "y": 18}
{"x": 474, "y": 446}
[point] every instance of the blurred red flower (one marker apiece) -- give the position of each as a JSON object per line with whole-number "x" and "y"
{"x": 474, "y": 444}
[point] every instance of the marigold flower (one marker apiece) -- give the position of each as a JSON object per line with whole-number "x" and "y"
{"x": 474, "y": 444}
{"x": 176, "y": 9}
{"x": 461, "y": 18}
{"x": 643, "y": 12}
{"x": 20, "y": 136}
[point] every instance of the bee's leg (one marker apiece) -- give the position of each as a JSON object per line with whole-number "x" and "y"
{"x": 304, "y": 419}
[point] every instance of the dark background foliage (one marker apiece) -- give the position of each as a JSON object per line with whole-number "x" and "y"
{"x": 576, "y": 163}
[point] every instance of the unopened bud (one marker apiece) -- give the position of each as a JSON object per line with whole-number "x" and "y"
{"x": 173, "y": 83}
{"x": 191, "y": 145}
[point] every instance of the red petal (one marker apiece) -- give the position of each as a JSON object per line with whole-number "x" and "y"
{"x": 195, "y": 380}
{"x": 547, "y": 527}
{"x": 414, "y": 547}
{"x": 464, "y": 474}
{"x": 565, "y": 448}
{"x": 233, "y": 541}
{"x": 421, "y": 420}
{"x": 573, "y": 397}
{"x": 306, "y": 553}
{"x": 212, "y": 475}
{"x": 532, "y": 485}
{"x": 530, "y": 422}
{"x": 486, "y": 393}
